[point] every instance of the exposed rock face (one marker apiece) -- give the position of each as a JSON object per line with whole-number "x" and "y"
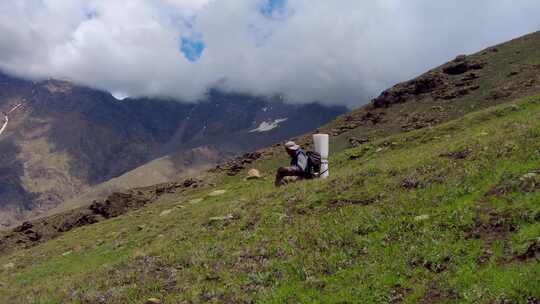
{"x": 439, "y": 83}
{"x": 404, "y": 91}
{"x": 118, "y": 203}
{"x": 461, "y": 65}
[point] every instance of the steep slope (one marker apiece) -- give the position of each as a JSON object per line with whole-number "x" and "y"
{"x": 69, "y": 139}
{"x": 447, "y": 212}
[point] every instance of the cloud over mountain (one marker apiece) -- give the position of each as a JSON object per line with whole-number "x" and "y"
{"x": 332, "y": 51}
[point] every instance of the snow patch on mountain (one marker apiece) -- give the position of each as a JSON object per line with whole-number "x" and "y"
{"x": 266, "y": 126}
{"x": 119, "y": 95}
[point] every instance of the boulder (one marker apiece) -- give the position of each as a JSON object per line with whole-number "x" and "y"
{"x": 217, "y": 219}
{"x": 166, "y": 212}
{"x": 456, "y": 68}
{"x": 195, "y": 201}
{"x": 217, "y": 192}
{"x": 9, "y": 266}
{"x": 460, "y": 58}
{"x": 422, "y": 217}
{"x": 461, "y": 66}
{"x": 254, "y": 174}
{"x": 529, "y": 176}
{"x": 23, "y": 227}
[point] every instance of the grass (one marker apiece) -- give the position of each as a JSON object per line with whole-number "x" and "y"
{"x": 402, "y": 219}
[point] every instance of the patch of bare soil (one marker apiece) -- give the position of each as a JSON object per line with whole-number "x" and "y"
{"x": 461, "y": 154}
{"x": 436, "y": 295}
{"x": 497, "y": 227}
{"x": 410, "y": 183}
{"x": 533, "y": 300}
{"x": 527, "y": 183}
{"x": 438, "y": 266}
{"x": 399, "y": 293}
{"x": 532, "y": 251}
{"x": 251, "y": 262}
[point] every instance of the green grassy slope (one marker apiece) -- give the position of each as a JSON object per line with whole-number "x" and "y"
{"x": 443, "y": 214}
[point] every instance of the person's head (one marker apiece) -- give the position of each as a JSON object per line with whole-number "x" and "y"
{"x": 291, "y": 147}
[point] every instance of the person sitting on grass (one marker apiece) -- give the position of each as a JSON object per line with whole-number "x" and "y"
{"x": 297, "y": 170}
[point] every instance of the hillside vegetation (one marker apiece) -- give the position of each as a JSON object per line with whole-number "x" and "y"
{"x": 434, "y": 197}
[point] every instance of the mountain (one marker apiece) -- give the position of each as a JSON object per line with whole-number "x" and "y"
{"x": 432, "y": 198}
{"x": 66, "y": 139}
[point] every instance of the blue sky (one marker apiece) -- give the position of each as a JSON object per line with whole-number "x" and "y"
{"x": 272, "y": 8}
{"x": 192, "y": 48}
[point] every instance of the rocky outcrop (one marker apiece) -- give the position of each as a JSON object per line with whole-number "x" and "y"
{"x": 235, "y": 166}
{"x": 403, "y": 92}
{"x": 441, "y": 83}
{"x": 118, "y": 203}
{"x": 29, "y": 234}
{"x": 461, "y": 65}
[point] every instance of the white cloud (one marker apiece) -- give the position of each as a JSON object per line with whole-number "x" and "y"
{"x": 187, "y": 5}
{"x": 333, "y": 51}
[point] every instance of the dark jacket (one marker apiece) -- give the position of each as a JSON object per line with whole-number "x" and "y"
{"x": 300, "y": 160}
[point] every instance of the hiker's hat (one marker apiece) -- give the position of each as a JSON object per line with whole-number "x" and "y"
{"x": 291, "y": 145}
